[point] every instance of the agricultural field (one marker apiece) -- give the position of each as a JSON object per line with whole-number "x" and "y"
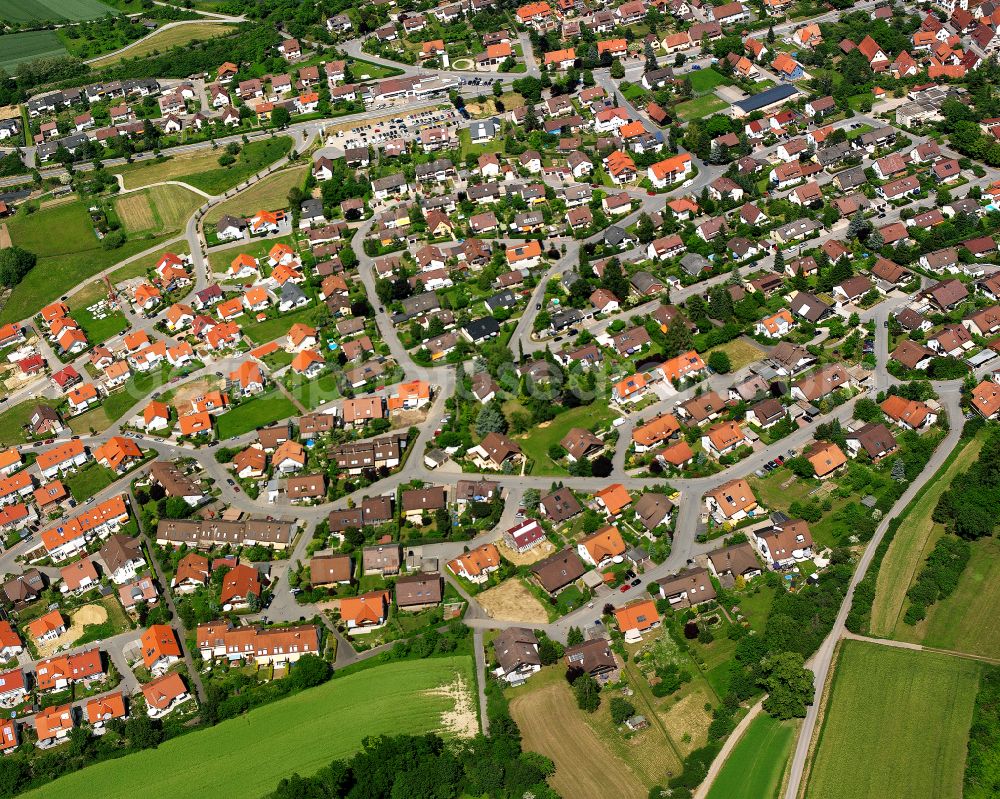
{"x": 535, "y": 444}
{"x": 52, "y": 10}
{"x": 552, "y": 724}
{"x": 755, "y": 767}
{"x": 27, "y": 46}
{"x": 968, "y": 620}
{"x": 915, "y": 538}
{"x": 300, "y": 734}
{"x": 163, "y": 40}
{"x": 896, "y": 724}
{"x": 159, "y": 209}
{"x": 268, "y": 194}
{"x": 254, "y": 413}
{"x": 200, "y": 168}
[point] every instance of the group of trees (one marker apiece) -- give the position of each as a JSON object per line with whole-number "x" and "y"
{"x": 15, "y": 263}
{"x": 939, "y": 577}
{"x": 971, "y": 505}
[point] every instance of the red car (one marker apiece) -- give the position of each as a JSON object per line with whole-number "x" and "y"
{"x": 624, "y": 588}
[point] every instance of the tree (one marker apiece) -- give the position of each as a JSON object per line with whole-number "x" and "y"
{"x": 644, "y": 228}
{"x": 548, "y": 652}
{"x": 617, "y": 69}
{"x": 142, "y": 732}
{"x": 621, "y": 710}
{"x": 588, "y": 693}
{"x": 719, "y": 362}
{"x": 280, "y": 117}
{"x": 614, "y": 279}
{"x": 531, "y": 499}
{"x": 574, "y": 636}
{"x": 779, "y": 261}
{"x": 15, "y": 263}
{"x": 491, "y": 419}
{"x": 309, "y": 671}
{"x": 789, "y": 685}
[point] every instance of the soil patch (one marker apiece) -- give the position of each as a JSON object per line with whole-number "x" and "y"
{"x": 512, "y": 601}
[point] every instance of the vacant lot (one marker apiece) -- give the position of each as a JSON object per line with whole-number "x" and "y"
{"x": 968, "y": 620}
{"x": 755, "y": 767}
{"x": 255, "y": 248}
{"x": 741, "y": 353}
{"x": 255, "y": 413}
{"x": 201, "y": 168}
{"x": 704, "y": 81}
{"x": 52, "y": 10}
{"x": 896, "y": 724}
{"x": 159, "y": 209}
{"x": 512, "y": 601}
{"x": 268, "y": 194}
{"x": 701, "y": 107}
{"x": 165, "y": 39}
{"x": 299, "y": 734}
{"x": 29, "y": 45}
{"x": 914, "y": 539}
{"x": 552, "y": 724}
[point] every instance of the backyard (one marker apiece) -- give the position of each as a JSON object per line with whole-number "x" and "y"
{"x": 535, "y": 444}
{"x": 301, "y": 734}
{"x": 896, "y": 724}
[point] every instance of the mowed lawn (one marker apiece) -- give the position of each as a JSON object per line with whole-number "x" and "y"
{"x": 255, "y": 413}
{"x": 27, "y": 46}
{"x": 553, "y": 725}
{"x": 200, "y": 168}
{"x": 535, "y": 444}
{"x": 704, "y": 81}
{"x": 755, "y": 767}
{"x": 52, "y": 10}
{"x": 914, "y": 539}
{"x": 267, "y": 194}
{"x": 701, "y": 107}
{"x": 969, "y": 620}
{"x": 250, "y": 754}
{"x": 163, "y": 40}
{"x": 896, "y": 724}
{"x": 68, "y": 253}
{"x": 158, "y": 209}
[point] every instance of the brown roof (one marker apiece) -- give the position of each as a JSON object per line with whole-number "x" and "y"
{"x": 593, "y": 657}
{"x": 909, "y": 353}
{"x": 326, "y": 569}
{"x": 579, "y": 442}
{"x": 823, "y": 381}
{"x": 174, "y": 482}
{"x": 560, "y": 505}
{"x": 559, "y": 570}
{"x": 419, "y": 589}
{"x": 651, "y": 508}
{"x": 696, "y": 582}
{"x": 739, "y": 559}
{"x": 876, "y": 439}
{"x": 515, "y": 647}
{"x": 430, "y": 498}
{"x": 384, "y": 557}
{"x": 310, "y": 486}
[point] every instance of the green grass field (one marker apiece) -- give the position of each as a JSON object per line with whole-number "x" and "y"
{"x": 29, "y": 45}
{"x": 704, "y": 81}
{"x": 755, "y": 766}
{"x": 536, "y": 444}
{"x": 255, "y": 413}
{"x": 52, "y": 10}
{"x": 201, "y": 168}
{"x": 896, "y": 724}
{"x": 269, "y": 194}
{"x": 65, "y": 259}
{"x": 701, "y": 107}
{"x": 275, "y": 326}
{"x": 256, "y": 248}
{"x": 88, "y": 481}
{"x": 968, "y": 620}
{"x": 914, "y": 539}
{"x": 13, "y": 419}
{"x": 303, "y": 733}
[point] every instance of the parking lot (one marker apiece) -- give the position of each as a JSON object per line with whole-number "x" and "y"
{"x": 388, "y": 128}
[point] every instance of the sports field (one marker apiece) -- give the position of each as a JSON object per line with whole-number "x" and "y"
{"x": 52, "y": 10}
{"x": 268, "y": 194}
{"x": 158, "y": 209}
{"x": 914, "y": 539}
{"x": 756, "y": 765}
{"x": 250, "y": 754}
{"x": 200, "y": 168}
{"x": 29, "y": 45}
{"x": 163, "y": 40}
{"x": 554, "y": 726}
{"x": 968, "y": 620}
{"x": 897, "y": 722}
